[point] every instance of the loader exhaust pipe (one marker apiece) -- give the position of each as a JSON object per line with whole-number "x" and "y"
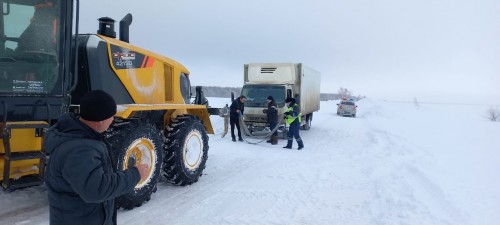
{"x": 124, "y": 28}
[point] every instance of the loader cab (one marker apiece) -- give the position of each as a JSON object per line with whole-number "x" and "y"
{"x": 35, "y": 79}
{"x": 35, "y": 45}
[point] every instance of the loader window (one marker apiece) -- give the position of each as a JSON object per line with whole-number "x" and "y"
{"x": 29, "y": 53}
{"x": 257, "y": 95}
{"x": 185, "y": 88}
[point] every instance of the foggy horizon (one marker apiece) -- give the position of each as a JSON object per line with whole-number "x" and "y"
{"x": 445, "y": 50}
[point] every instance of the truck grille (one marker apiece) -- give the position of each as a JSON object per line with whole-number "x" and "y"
{"x": 255, "y": 119}
{"x": 267, "y": 70}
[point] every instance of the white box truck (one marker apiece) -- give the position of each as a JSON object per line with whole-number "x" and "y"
{"x": 280, "y": 80}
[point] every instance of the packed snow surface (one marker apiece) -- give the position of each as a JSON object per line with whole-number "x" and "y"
{"x": 395, "y": 163}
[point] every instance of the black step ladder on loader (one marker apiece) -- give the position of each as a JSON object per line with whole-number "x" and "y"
{"x": 32, "y": 130}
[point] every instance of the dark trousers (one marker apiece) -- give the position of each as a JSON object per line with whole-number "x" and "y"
{"x": 235, "y": 121}
{"x": 293, "y": 132}
{"x": 272, "y": 125}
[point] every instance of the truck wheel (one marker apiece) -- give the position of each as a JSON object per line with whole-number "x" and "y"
{"x": 282, "y": 132}
{"x": 186, "y": 150}
{"x": 307, "y": 125}
{"x": 134, "y": 144}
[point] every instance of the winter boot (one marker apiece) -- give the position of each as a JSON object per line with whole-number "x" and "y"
{"x": 289, "y": 144}
{"x": 274, "y": 140}
{"x": 301, "y": 144}
{"x": 270, "y": 140}
{"x": 234, "y": 139}
{"x": 240, "y": 139}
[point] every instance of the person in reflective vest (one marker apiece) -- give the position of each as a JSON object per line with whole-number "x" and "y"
{"x": 293, "y": 119}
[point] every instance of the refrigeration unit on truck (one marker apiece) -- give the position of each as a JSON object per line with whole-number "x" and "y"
{"x": 280, "y": 80}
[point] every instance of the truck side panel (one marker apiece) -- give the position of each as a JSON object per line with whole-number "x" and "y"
{"x": 309, "y": 82}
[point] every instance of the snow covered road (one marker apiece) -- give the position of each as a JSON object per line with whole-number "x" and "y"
{"x": 395, "y": 163}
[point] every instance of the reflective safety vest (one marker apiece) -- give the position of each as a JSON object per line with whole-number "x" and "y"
{"x": 290, "y": 118}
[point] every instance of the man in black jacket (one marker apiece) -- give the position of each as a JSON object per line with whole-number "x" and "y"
{"x": 236, "y": 110}
{"x": 272, "y": 119}
{"x": 81, "y": 180}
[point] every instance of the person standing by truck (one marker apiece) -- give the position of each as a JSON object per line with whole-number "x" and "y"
{"x": 272, "y": 119}
{"x": 236, "y": 110}
{"x": 293, "y": 119}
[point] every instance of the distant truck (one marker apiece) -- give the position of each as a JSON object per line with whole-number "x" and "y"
{"x": 280, "y": 80}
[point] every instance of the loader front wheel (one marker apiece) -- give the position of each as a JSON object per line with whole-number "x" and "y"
{"x": 186, "y": 150}
{"x": 135, "y": 144}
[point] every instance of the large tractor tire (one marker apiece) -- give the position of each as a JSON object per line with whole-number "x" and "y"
{"x": 133, "y": 144}
{"x": 186, "y": 150}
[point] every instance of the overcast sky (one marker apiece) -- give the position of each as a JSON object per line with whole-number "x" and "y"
{"x": 441, "y": 50}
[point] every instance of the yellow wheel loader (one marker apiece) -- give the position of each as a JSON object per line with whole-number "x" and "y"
{"x": 46, "y": 67}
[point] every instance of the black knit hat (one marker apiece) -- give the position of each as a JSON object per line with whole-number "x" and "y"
{"x": 287, "y": 100}
{"x": 270, "y": 98}
{"x": 97, "y": 106}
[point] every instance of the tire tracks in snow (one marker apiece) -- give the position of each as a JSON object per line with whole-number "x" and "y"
{"x": 408, "y": 194}
{"x": 399, "y": 186}
{"x": 29, "y": 202}
{"x": 17, "y": 215}
{"x": 188, "y": 198}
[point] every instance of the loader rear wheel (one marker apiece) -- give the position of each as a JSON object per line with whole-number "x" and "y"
{"x": 134, "y": 144}
{"x": 186, "y": 150}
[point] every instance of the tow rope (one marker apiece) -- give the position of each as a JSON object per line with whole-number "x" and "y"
{"x": 247, "y": 133}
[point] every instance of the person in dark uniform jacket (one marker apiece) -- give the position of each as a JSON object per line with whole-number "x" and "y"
{"x": 272, "y": 119}
{"x": 81, "y": 180}
{"x": 236, "y": 110}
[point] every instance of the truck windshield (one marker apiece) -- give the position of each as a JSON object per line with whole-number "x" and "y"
{"x": 29, "y": 47}
{"x": 257, "y": 94}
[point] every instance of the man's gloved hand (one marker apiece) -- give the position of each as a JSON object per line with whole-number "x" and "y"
{"x": 287, "y": 113}
{"x": 264, "y": 111}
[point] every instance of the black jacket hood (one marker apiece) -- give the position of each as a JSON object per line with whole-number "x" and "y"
{"x": 68, "y": 127}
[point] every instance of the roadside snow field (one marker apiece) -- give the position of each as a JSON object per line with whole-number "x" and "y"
{"x": 395, "y": 163}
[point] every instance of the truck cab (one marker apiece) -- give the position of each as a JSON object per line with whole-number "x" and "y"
{"x": 280, "y": 80}
{"x": 256, "y": 95}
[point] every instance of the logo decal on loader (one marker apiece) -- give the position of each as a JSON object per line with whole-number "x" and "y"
{"x": 126, "y": 59}
{"x": 124, "y": 55}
